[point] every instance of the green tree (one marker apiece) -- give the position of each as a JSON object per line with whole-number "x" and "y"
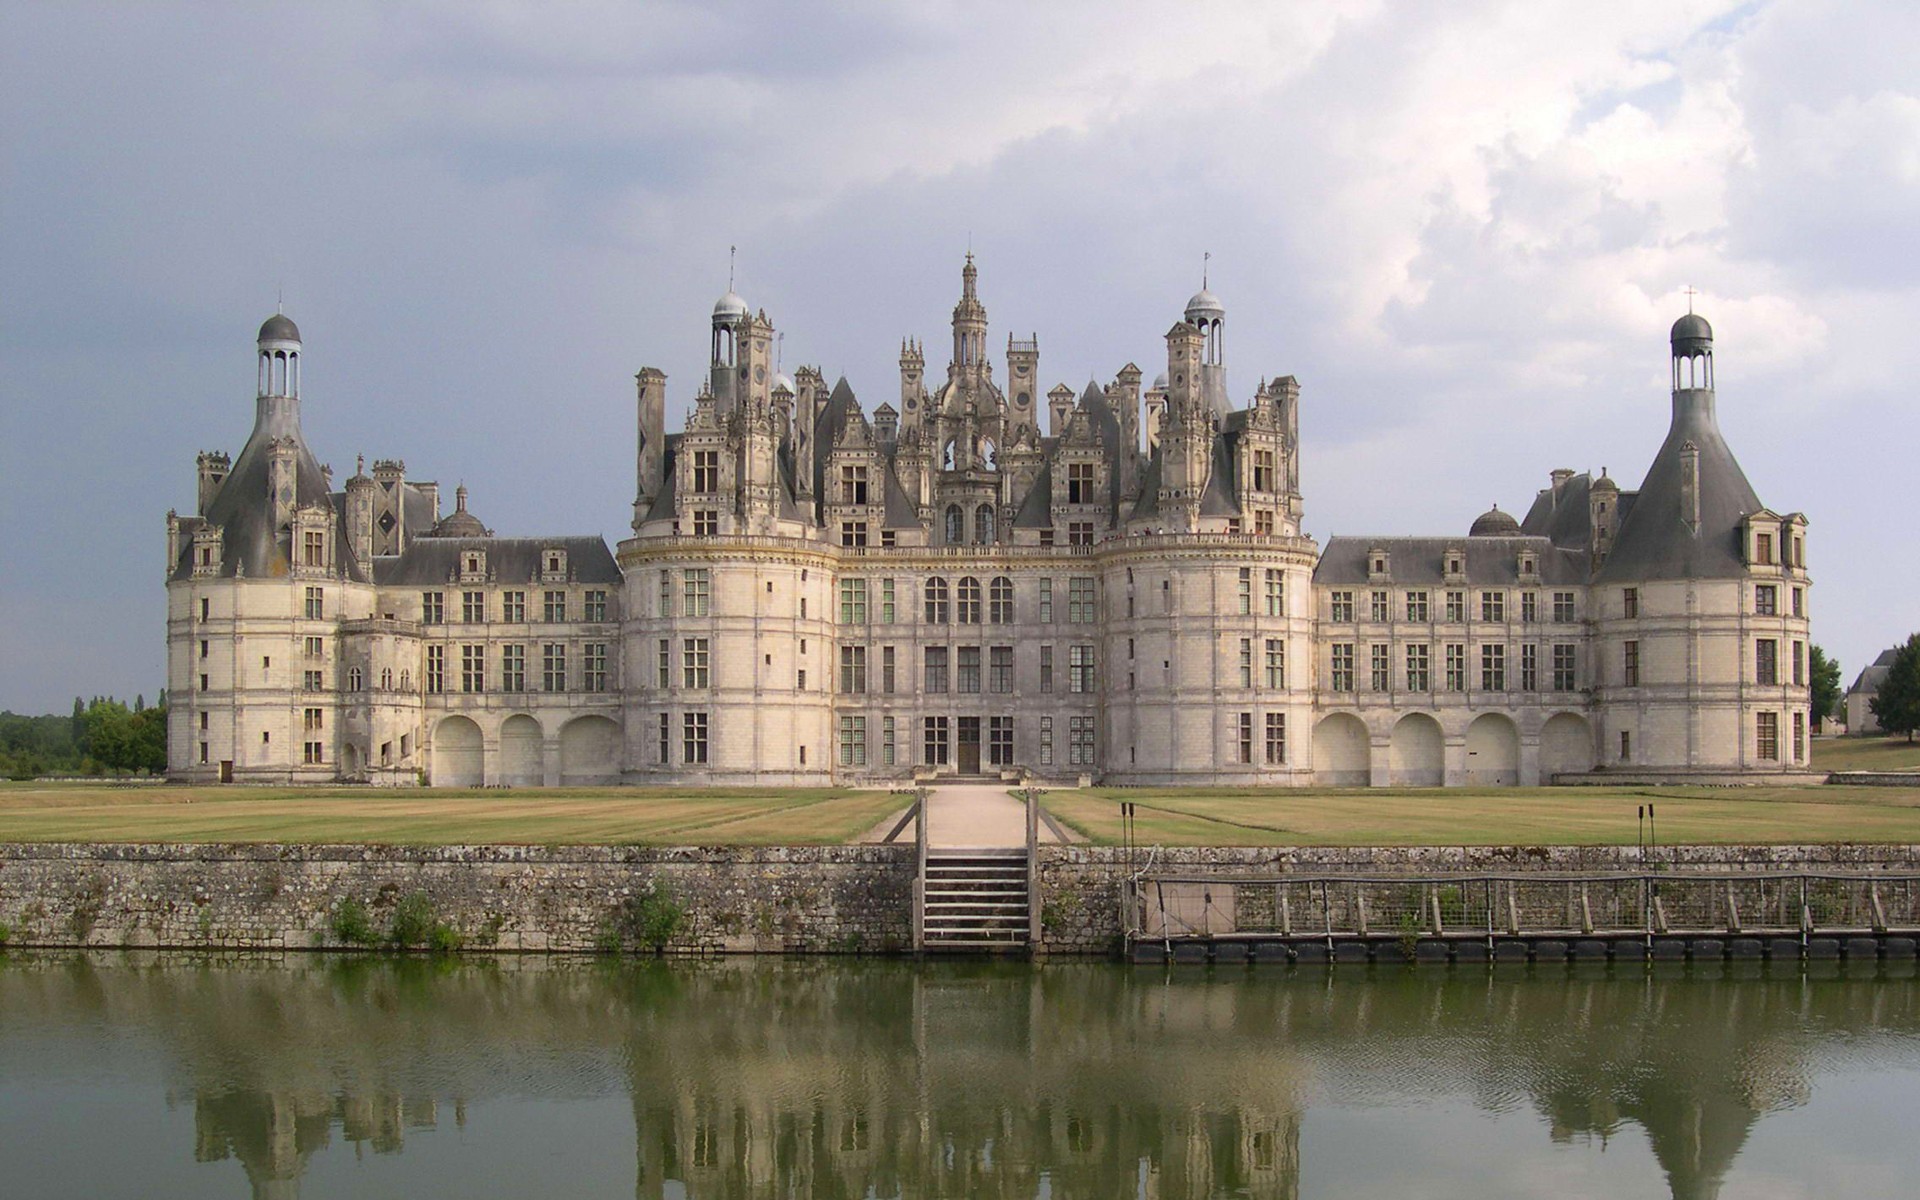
{"x": 1897, "y": 705}
{"x": 1824, "y": 675}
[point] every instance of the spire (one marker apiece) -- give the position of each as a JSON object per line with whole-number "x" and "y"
{"x": 968, "y": 274}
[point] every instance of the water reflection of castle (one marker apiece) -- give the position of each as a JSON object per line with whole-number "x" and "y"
{"x": 764, "y": 1080}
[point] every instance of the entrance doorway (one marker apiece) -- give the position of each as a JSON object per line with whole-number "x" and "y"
{"x": 226, "y": 770}
{"x": 969, "y": 747}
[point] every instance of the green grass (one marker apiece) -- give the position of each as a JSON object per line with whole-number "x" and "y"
{"x": 1587, "y": 816}
{"x": 1866, "y": 754}
{"x": 544, "y": 816}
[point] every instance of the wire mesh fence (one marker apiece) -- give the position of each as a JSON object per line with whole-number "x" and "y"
{"x": 1534, "y": 904}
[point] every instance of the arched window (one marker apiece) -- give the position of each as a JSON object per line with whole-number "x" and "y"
{"x": 956, "y": 525}
{"x": 989, "y": 456}
{"x": 353, "y": 679}
{"x": 967, "y": 609}
{"x": 936, "y": 601}
{"x": 386, "y": 679}
{"x": 983, "y": 524}
{"x": 1000, "y": 601}
{"x": 406, "y": 681}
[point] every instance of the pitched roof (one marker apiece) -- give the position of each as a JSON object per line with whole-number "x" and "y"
{"x": 1656, "y": 540}
{"x": 509, "y": 560}
{"x": 1421, "y": 560}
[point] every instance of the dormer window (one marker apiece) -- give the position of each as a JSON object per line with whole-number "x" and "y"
{"x": 553, "y": 565}
{"x": 1529, "y": 565}
{"x": 1763, "y": 549}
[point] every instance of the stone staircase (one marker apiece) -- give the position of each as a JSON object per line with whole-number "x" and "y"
{"x": 975, "y": 901}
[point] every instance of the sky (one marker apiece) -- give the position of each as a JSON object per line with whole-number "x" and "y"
{"x": 1465, "y": 228}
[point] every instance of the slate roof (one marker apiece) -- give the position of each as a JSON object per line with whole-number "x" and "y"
{"x": 509, "y": 560}
{"x": 1421, "y": 560}
{"x": 1874, "y": 674}
{"x": 1655, "y": 540}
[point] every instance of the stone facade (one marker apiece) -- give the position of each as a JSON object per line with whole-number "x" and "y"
{"x": 1117, "y": 587}
{"x": 741, "y": 899}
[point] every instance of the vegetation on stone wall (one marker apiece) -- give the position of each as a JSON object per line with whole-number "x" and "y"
{"x": 650, "y": 918}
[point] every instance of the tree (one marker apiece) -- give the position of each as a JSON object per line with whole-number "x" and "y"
{"x": 1824, "y": 675}
{"x": 1897, "y": 705}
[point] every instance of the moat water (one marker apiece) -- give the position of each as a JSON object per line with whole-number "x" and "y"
{"x": 177, "y": 1076}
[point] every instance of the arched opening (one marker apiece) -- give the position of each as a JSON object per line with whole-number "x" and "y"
{"x": 983, "y": 524}
{"x": 1341, "y": 753}
{"x": 947, "y": 462}
{"x": 350, "y": 761}
{"x": 956, "y": 525}
{"x": 520, "y": 764}
{"x": 1493, "y": 752}
{"x": 989, "y": 457}
{"x": 1566, "y": 746}
{"x": 1418, "y": 756}
{"x": 589, "y": 752}
{"x": 457, "y": 754}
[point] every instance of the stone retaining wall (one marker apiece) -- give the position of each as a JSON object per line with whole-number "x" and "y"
{"x": 803, "y": 899}
{"x": 1081, "y": 885}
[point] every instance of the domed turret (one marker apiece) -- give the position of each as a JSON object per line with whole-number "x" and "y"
{"x": 279, "y": 349}
{"x": 459, "y": 522}
{"x": 1494, "y": 523}
{"x": 1692, "y": 340}
{"x": 1204, "y": 306}
{"x": 1691, "y": 334}
{"x": 279, "y": 328}
{"x": 729, "y": 308}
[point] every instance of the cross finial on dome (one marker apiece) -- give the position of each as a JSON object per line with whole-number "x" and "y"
{"x": 731, "y": 252}
{"x": 1690, "y": 295}
{"x": 1205, "y": 257}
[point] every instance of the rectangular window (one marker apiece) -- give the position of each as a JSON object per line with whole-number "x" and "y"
{"x": 1799, "y": 664}
{"x": 314, "y": 545}
{"x": 1380, "y": 671}
{"x": 706, "y": 471}
{"x": 1263, "y": 471}
{"x": 513, "y": 668}
{"x": 1000, "y": 669}
{"x": 1456, "y": 607}
{"x": 1417, "y": 607}
{"x": 1080, "y": 668}
{"x": 1419, "y": 669}
{"x": 1767, "y": 736}
{"x": 1763, "y": 549}
{"x": 314, "y": 647}
{"x": 1276, "y": 582}
{"x": 1493, "y": 668}
{"x": 886, "y": 601}
{"x": 1080, "y": 483}
{"x": 1799, "y": 603}
{"x": 696, "y": 592}
{"x": 313, "y": 681}
{"x": 1630, "y": 602}
{"x": 1046, "y": 601}
{"x": 886, "y": 669}
{"x": 1246, "y": 660}
{"x": 1529, "y": 668}
{"x": 1276, "y": 739}
{"x": 1342, "y": 674}
{"x": 473, "y": 607}
{"x": 595, "y": 606}
{"x": 1799, "y": 737}
{"x": 936, "y": 670}
{"x": 934, "y": 741}
{"x": 1630, "y": 664}
{"x": 473, "y": 668}
{"x": 313, "y": 753}
{"x": 1000, "y": 741}
{"x": 853, "y": 741}
{"x": 1080, "y": 741}
{"x": 1493, "y": 606}
{"x": 887, "y": 751}
{"x": 554, "y": 608}
{"x": 664, "y": 736}
{"x": 1046, "y": 741}
{"x": 693, "y": 738}
{"x": 593, "y": 666}
{"x": 853, "y": 602}
{"x": 1766, "y": 601}
{"x": 1243, "y": 737}
{"x": 553, "y": 667}
{"x": 1766, "y": 661}
{"x": 853, "y": 670}
{"x": 1080, "y": 600}
{"x": 312, "y": 719}
{"x": 853, "y": 485}
{"x": 436, "y": 669}
{"x": 1563, "y": 607}
{"x": 1456, "y": 667}
{"x": 1377, "y": 607}
{"x": 316, "y": 603}
{"x": 853, "y": 534}
{"x": 1529, "y": 607}
{"x": 967, "y": 675}
{"x": 665, "y": 607}
{"x": 1246, "y": 591}
{"x": 1079, "y": 533}
{"x": 1263, "y": 522}
{"x": 1341, "y": 606}
{"x": 664, "y": 665}
{"x": 693, "y": 662}
{"x": 1564, "y": 665}
{"x": 1046, "y": 668}
{"x": 513, "y": 607}
{"x": 1276, "y": 664}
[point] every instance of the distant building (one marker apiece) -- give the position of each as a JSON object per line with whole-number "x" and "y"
{"x": 979, "y": 578}
{"x": 1859, "y": 699}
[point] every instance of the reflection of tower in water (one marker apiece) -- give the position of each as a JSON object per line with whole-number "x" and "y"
{"x": 273, "y": 1134}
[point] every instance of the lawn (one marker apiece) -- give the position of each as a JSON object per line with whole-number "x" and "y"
{"x": 1586, "y": 816}
{"x": 1866, "y": 754}
{"x": 42, "y": 812}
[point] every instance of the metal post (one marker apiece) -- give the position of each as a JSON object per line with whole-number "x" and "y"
{"x": 920, "y": 868}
